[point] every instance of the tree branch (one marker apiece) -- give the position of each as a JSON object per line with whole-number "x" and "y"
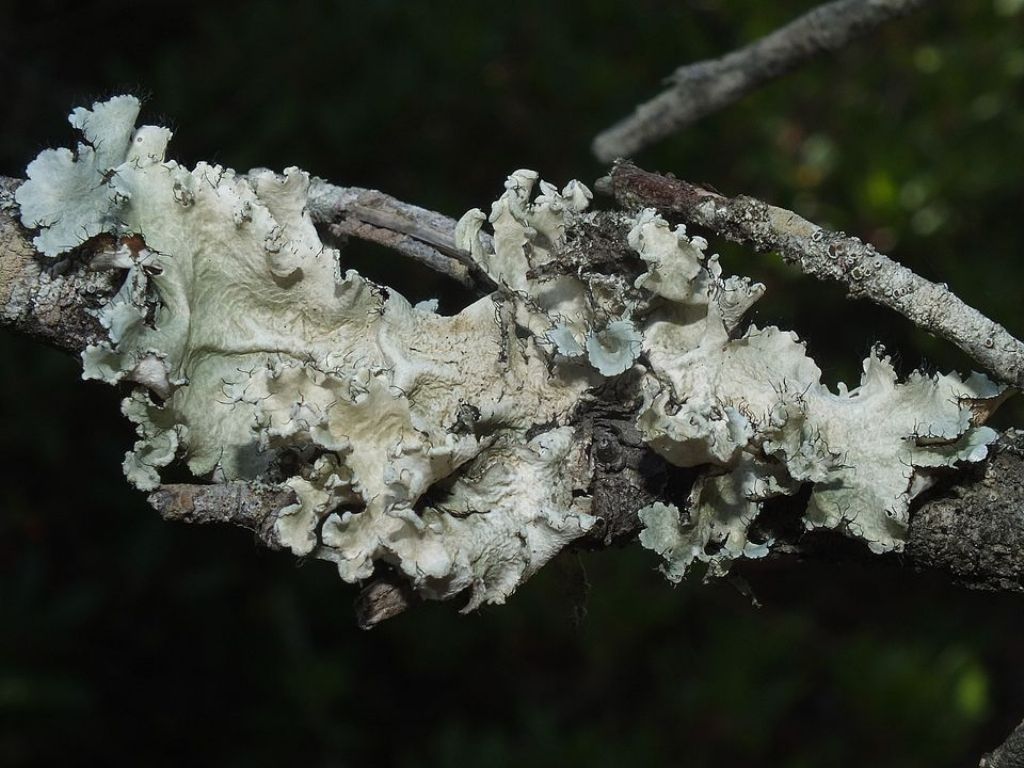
{"x": 707, "y": 86}
{"x": 45, "y": 300}
{"x": 422, "y": 235}
{"x": 248, "y": 505}
{"x": 830, "y": 256}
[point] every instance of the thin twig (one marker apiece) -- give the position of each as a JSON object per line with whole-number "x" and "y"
{"x": 830, "y": 256}
{"x": 423, "y": 235}
{"x": 707, "y": 86}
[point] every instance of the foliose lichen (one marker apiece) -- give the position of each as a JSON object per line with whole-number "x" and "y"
{"x": 750, "y": 407}
{"x": 255, "y": 355}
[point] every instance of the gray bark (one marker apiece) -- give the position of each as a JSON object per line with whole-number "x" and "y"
{"x": 417, "y": 233}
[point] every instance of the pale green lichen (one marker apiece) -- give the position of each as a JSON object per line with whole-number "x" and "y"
{"x": 565, "y": 341}
{"x": 568, "y": 312}
{"x": 70, "y": 196}
{"x": 444, "y": 446}
{"x": 613, "y": 349}
{"x": 255, "y": 352}
{"x": 752, "y": 409}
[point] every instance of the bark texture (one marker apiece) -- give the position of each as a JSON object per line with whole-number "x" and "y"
{"x": 974, "y": 529}
{"x": 248, "y": 506}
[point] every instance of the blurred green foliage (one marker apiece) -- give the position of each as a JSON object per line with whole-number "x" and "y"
{"x": 126, "y": 640}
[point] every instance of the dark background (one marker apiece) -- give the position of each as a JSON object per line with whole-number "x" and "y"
{"x": 127, "y": 640}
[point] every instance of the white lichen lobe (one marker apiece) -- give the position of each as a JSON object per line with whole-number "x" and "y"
{"x": 70, "y": 197}
{"x": 444, "y": 447}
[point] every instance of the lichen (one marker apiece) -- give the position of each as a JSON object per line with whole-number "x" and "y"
{"x": 444, "y": 447}
{"x": 257, "y": 356}
{"x": 613, "y": 349}
{"x": 750, "y": 407}
{"x": 70, "y": 197}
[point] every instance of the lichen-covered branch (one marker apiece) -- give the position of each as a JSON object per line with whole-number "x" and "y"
{"x": 46, "y": 301}
{"x": 435, "y": 455}
{"x": 971, "y": 530}
{"x": 830, "y": 256}
{"x": 37, "y": 299}
{"x": 698, "y": 89}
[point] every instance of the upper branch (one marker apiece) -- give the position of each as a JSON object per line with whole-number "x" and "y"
{"x": 833, "y": 256}
{"x": 704, "y": 87}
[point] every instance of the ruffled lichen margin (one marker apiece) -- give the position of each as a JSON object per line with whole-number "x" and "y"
{"x": 448, "y": 448}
